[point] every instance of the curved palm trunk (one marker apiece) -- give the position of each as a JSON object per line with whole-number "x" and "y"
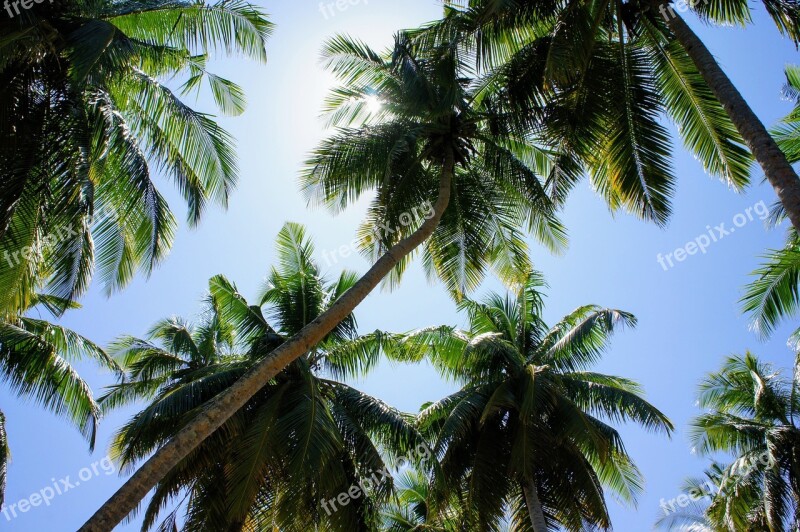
{"x": 4, "y": 456}
{"x": 777, "y": 169}
{"x": 534, "y": 506}
{"x": 218, "y": 410}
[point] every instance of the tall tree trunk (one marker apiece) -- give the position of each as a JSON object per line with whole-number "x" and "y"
{"x": 219, "y": 409}
{"x": 777, "y": 169}
{"x": 534, "y": 506}
{"x": 4, "y": 456}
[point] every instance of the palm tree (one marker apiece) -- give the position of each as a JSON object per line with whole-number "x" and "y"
{"x": 433, "y": 130}
{"x": 773, "y": 161}
{"x": 693, "y": 516}
{"x": 525, "y": 433}
{"x": 87, "y": 119}
{"x": 36, "y": 363}
{"x": 415, "y": 508}
{"x": 723, "y": 500}
{"x": 83, "y": 118}
{"x": 434, "y": 137}
{"x": 5, "y": 456}
{"x": 775, "y": 294}
{"x": 787, "y": 133}
{"x": 631, "y": 60}
{"x": 303, "y": 439}
{"x": 752, "y": 412}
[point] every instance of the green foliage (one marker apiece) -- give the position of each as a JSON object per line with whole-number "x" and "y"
{"x": 593, "y": 80}
{"x": 773, "y": 296}
{"x": 302, "y": 440}
{"x": 784, "y": 13}
{"x": 694, "y": 517}
{"x": 530, "y": 411}
{"x": 751, "y": 415}
{"x": 87, "y": 121}
{"x": 431, "y": 108}
{"x": 36, "y": 363}
{"x": 416, "y": 509}
{"x": 787, "y": 133}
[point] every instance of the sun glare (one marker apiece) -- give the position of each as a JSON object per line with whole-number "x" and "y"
{"x": 373, "y": 103}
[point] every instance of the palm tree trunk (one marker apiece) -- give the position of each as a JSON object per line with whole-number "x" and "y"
{"x": 777, "y": 169}
{"x": 534, "y": 506}
{"x": 4, "y": 456}
{"x": 219, "y": 409}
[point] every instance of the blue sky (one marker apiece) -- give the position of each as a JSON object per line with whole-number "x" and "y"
{"x": 689, "y": 317}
